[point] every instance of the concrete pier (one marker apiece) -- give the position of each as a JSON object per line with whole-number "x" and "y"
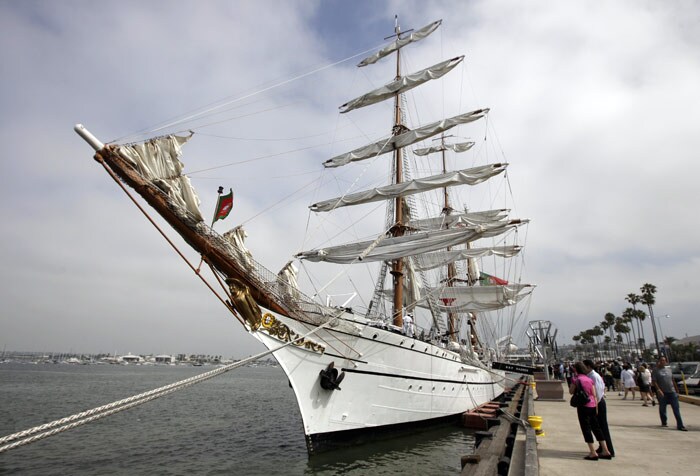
{"x": 642, "y": 445}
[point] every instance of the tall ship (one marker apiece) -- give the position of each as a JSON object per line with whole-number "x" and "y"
{"x": 406, "y": 355}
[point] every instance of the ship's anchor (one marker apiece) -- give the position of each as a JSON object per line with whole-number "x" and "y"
{"x": 330, "y": 379}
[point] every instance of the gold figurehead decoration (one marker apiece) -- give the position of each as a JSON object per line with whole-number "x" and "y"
{"x": 243, "y": 302}
{"x": 245, "y": 305}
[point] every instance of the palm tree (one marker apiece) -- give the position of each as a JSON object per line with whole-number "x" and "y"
{"x": 604, "y": 328}
{"x": 629, "y": 315}
{"x": 648, "y": 291}
{"x": 622, "y": 328}
{"x": 577, "y": 340}
{"x": 635, "y": 299}
{"x": 641, "y": 316}
{"x": 668, "y": 341}
{"x": 607, "y": 341}
{"x": 587, "y": 338}
{"x": 609, "y": 321}
{"x": 598, "y": 332}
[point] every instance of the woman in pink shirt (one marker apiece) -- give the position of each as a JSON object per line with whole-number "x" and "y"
{"x": 587, "y": 414}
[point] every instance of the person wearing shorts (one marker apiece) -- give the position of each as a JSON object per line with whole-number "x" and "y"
{"x": 644, "y": 382}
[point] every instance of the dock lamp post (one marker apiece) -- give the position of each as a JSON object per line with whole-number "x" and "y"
{"x": 663, "y": 338}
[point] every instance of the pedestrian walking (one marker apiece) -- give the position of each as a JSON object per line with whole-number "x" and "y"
{"x": 602, "y": 415}
{"x": 667, "y": 391}
{"x": 617, "y": 378}
{"x": 644, "y": 382}
{"x": 628, "y": 380}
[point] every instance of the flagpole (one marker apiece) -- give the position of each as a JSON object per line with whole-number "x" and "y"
{"x": 213, "y": 220}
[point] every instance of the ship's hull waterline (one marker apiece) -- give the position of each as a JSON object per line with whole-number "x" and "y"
{"x": 392, "y": 383}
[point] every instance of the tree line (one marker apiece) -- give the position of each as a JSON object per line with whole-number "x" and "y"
{"x": 612, "y": 335}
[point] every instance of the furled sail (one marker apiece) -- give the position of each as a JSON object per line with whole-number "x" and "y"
{"x": 402, "y": 85}
{"x": 479, "y": 298}
{"x": 287, "y": 281}
{"x": 405, "y": 139}
{"x": 407, "y": 245}
{"x": 437, "y": 259}
{"x": 412, "y": 285}
{"x": 400, "y": 43}
{"x": 459, "y": 147}
{"x": 458, "y": 219}
{"x": 158, "y": 160}
{"x": 236, "y": 238}
{"x": 470, "y": 176}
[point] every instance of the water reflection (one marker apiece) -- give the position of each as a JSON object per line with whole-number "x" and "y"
{"x": 435, "y": 451}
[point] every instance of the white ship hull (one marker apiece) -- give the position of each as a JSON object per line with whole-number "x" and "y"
{"x": 392, "y": 382}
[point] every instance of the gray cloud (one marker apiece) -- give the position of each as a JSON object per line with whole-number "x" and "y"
{"x": 595, "y": 106}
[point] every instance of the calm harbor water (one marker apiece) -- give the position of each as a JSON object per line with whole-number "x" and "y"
{"x": 244, "y": 422}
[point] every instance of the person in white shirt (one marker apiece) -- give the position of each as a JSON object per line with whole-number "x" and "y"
{"x": 644, "y": 385}
{"x": 628, "y": 381}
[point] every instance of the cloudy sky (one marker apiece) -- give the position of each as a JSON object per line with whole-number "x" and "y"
{"x": 595, "y": 105}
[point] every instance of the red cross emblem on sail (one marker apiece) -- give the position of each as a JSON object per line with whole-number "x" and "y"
{"x": 447, "y": 301}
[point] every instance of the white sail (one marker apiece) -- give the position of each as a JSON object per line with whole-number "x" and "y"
{"x": 478, "y": 298}
{"x": 158, "y": 160}
{"x": 407, "y": 245}
{"x": 402, "y": 85}
{"x": 458, "y": 148}
{"x": 387, "y": 50}
{"x": 405, "y": 139}
{"x": 470, "y": 176}
{"x": 437, "y": 259}
{"x": 459, "y": 219}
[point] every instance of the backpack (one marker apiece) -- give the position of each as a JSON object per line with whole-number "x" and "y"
{"x": 580, "y": 397}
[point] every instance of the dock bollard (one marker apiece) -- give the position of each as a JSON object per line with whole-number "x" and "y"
{"x": 536, "y": 423}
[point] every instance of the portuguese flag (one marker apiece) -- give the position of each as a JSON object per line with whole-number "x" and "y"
{"x": 223, "y": 206}
{"x": 488, "y": 280}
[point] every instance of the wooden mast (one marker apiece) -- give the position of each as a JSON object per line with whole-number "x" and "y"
{"x": 451, "y": 272}
{"x": 398, "y": 228}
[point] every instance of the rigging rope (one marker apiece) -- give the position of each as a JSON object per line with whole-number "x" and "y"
{"x": 215, "y": 106}
{"x": 64, "y": 424}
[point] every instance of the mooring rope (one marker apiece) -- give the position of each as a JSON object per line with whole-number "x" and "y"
{"x": 67, "y": 423}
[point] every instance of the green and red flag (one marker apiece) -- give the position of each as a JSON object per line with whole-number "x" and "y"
{"x": 223, "y": 205}
{"x": 488, "y": 280}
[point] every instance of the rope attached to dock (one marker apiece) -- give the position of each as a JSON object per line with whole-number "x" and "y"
{"x": 58, "y": 426}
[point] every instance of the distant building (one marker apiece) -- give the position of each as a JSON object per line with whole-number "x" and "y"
{"x": 689, "y": 340}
